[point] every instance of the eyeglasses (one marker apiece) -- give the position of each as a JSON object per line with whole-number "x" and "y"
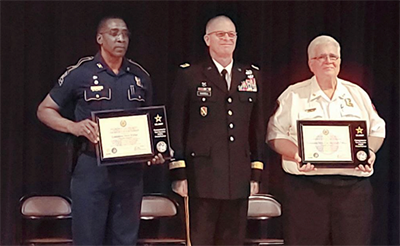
{"x": 221, "y": 34}
{"x": 116, "y": 32}
{"x": 325, "y": 57}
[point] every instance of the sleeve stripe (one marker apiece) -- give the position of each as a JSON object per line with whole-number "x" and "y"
{"x": 257, "y": 165}
{"x": 176, "y": 164}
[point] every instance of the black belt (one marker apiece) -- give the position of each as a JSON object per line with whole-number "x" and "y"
{"x": 334, "y": 180}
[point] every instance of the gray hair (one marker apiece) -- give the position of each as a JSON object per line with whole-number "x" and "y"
{"x": 214, "y": 19}
{"x": 323, "y": 39}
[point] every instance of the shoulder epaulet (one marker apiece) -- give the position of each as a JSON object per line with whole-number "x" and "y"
{"x": 255, "y": 67}
{"x": 137, "y": 64}
{"x": 185, "y": 65}
{"x": 70, "y": 68}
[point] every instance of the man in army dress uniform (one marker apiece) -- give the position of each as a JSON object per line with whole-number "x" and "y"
{"x": 217, "y": 127}
{"x": 106, "y": 200}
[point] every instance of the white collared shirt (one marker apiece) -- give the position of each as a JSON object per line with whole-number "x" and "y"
{"x": 306, "y": 100}
{"x": 228, "y": 69}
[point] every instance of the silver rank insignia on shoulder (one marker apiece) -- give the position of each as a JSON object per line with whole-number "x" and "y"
{"x": 203, "y": 111}
{"x": 185, "y": 65}
{"x": 138, "y": 82}
{"x": 99, "y": 65}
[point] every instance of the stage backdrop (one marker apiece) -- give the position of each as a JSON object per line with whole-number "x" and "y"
{"x": 40, "y": 39}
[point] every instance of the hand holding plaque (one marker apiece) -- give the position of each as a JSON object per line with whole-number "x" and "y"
{"x": 131, "y": 136}
{"x": 333, "y": 144}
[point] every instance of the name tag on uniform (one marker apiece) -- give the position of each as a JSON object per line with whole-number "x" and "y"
{"x": 96, "y": 88}
{"x": 204, "y": 91}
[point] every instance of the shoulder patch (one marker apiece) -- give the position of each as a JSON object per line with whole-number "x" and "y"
{"x": 141, "y": 68}
{"x": 185, "y": 65}
{"x": 70, "y": 68}
{"x": 255, "y": 67}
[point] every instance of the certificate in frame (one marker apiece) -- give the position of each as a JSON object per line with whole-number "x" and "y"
{"x": 333, "y": 144}
{"x": 131, "y": 136}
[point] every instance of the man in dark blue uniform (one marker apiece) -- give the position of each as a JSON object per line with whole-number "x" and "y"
{"x": 217, "y": 126}
{"x": 106, "y": 200}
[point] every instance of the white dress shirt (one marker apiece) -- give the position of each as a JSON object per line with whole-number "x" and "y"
{"x": 306, "y": 101}
{"x": 228, "y": 68}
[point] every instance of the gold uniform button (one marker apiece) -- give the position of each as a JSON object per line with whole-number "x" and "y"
{"x": 96, "y": 82}
{"x": 204, "y": 99}
{"x": 231, "y": 138}
{"x": 250, "y": 99}
{"x": 230, "y": 99}
{"x": 231, "y": 125}
{"x": 193, "y": 154}
{"x": 97, "y": 95}
{"x": 230, "y": 112}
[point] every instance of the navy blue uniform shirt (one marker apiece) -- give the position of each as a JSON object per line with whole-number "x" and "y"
{"x": 93, "y": 86}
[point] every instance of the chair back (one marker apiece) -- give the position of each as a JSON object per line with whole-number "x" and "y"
{"x": 46, "y": 219}
{"x": 263, "y": 206}
{"x": 157, "y": 205}
{"x": 45, "y": 206}
{"x": 161, "y": 221}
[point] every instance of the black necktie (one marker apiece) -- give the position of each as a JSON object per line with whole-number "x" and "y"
{"x": 223, "y": 74}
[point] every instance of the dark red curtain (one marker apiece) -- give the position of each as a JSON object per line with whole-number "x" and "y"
{"x": 40, "y": 39}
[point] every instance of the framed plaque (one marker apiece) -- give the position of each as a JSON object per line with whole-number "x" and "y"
{"x": 131, "y": 136}
{"x": 333, "y": 144}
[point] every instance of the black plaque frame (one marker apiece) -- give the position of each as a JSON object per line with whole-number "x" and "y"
{"x": 158, "y": 131}
{"x": 358, "y": 141}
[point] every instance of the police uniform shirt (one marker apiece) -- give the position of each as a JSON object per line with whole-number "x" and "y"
{"x": 93, "y": 86}
{"x": 306, "y": 101}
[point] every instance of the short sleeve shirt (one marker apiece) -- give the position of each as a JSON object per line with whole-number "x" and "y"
{"x": 92, "y": 86}
{"x": 306, "y": 101}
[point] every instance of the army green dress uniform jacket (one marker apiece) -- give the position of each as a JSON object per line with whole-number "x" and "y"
{"x": 217, "y": 135}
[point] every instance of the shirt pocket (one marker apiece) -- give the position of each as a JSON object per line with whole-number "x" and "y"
{"x": 350, "y": 112}
{"x": 136, "y": 94}
{"x": 314, "y": 113}
{"x": 198, "y": 149}
{"x": 248, "y": 97}
{"x": 97, "y": 94}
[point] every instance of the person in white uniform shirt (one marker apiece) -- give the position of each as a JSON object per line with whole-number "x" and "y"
{"x": 324, "y": 206}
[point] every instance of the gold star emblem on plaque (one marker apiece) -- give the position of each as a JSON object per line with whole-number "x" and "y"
{"x": 359, "y": 130}
{"x": 158, "y": 118}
